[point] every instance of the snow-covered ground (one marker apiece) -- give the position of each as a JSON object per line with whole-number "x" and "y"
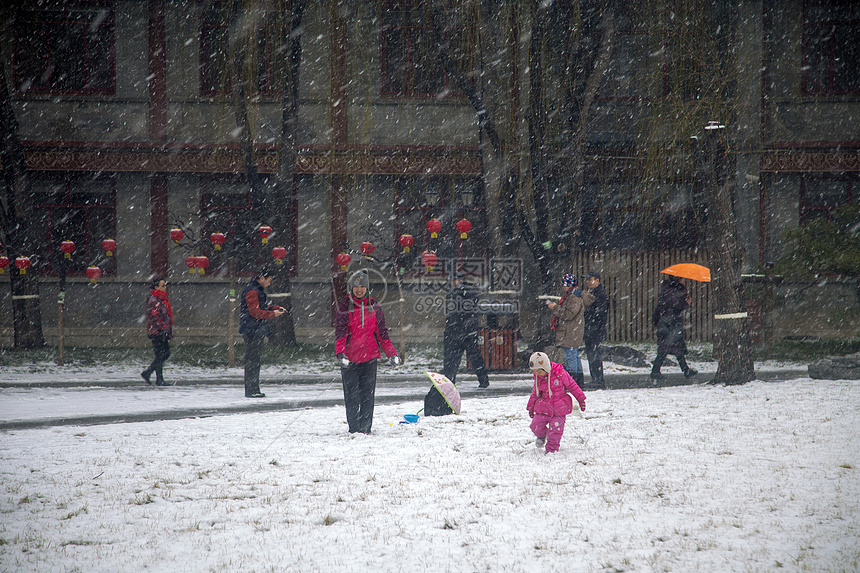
{"x": 761, "y": 477}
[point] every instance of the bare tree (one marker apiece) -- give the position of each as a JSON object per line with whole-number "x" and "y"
{"x": 567, "y": 43}
{"x": 244, "y": 24}
{"x": 573, "y": 45}
{"x": 705, "y": 80}
{"x": 284, "y": 333}
{"x": 731, "y": 335}
{"x": 16, "y": 220}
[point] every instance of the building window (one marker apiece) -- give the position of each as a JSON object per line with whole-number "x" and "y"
{"x": 410, "y": 65}
{"x": 639, "y": 67}
{"x": 821, "y": 194}
{"x": 447, "y": 199}
{"x": 78, "y": 208}
{"x": 64, "y": 48}
{"x": 831, "y": 52}
{"x": 215, "y": 71}
{"x": 615, "y": 218}
{"x": 226, "y": 208}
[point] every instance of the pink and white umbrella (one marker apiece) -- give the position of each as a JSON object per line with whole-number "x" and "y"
{"x": 447, "y": 389}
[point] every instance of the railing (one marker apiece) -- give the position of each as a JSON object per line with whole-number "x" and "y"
{"x": 632, "y": 280}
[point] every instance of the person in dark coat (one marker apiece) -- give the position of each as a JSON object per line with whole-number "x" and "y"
{"x": 159, "y": 329}
{"x": 668, "y": 320}
{"x": 461, "y": 331}
{"x": 254, "y": 314}
{"x": 460, "y": 335}
{"x": 359, "y": 331}
{"x": 595, "y": 329}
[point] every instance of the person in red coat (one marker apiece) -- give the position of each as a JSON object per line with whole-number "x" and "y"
{"x": 359, "y": 331}
{"x": 550, "y": 403}
{"x": 255, "y": 312}
{"x": 159, "y": 329}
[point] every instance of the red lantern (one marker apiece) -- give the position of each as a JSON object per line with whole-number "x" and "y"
{"x": 464, "y": 227}
{"x": 406, "y": 241}
{"x": 264, "y": 231}
{"x": 191, "y": 263}
{"x": 367, "y": 248}
{"x": 93, "y": 273}
{"x": 343, "y": 260}
{"x": 177, "y": 234}
{"x": 109, "y": 245}
{"x": 434, "y": 226}
{"x": 429, "y": 259}
{"x": 201, "y": 263}
{"x": 23, "y": 263}
{"x": 217, "y": 240}
{"x": 68, "y": 247}
{"x": 279, "y": 253}
{"x": 4, "y": 262}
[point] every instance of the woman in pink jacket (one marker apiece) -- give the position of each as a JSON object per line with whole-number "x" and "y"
{"x": 359, "y": 331}
{"x": 550, "y": 402}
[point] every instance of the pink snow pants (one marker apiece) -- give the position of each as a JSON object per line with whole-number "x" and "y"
{"x": 549, "y": 427}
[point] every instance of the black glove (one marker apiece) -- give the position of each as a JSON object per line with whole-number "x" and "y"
{"x": 342, "y": 360}
{"x": 395, "y": 360}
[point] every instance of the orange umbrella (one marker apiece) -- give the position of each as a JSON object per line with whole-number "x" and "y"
{"x": 689, "y": 271}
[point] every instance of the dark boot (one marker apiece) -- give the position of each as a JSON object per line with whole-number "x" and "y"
{"x": 685, "y": 368}
{"x": 483, "y": 378}
{"x": 655, "y": 369}
{"x": 146, "y": 374}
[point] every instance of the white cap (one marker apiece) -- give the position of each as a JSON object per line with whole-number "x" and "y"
{"x": 540, "y": 361}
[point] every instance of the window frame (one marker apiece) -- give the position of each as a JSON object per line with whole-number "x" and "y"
{"x": 600, "y": 211}
{"x": 447, "y": 90}
{"x": 812, "y": 211}
{"x": 220, "y": 69}
{"x": 246, "y": 265}
{"x": 87, "y": 251}
{"x": 632, "y": 30}
{"x": 448, "y": 246}
{"x": 808, "y": 31}
{"x": 43, "y": 19}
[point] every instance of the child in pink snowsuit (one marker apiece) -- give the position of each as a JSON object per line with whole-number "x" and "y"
{"x": 550, "y": 402}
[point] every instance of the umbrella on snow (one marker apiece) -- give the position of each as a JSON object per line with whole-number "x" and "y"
{"x": 689, "y": 271}
{"x": 447, "y": 389}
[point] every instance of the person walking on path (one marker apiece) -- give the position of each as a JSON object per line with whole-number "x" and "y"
{"x": 550, "y": 401}
{"x": 359, "y": 330}
{"x": 595, "y": 329}
{"x": 461, "y": 331}
{"x": 254, "y": 314}
{"x": 668, "y": 320}
{"x": 159, "y": 329}
{"x": 568, "y": 322}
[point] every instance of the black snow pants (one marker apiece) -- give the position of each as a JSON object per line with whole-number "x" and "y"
{"x": 359, "y": 391}
{"x": 161, "y": 349}
{"x": 253, "y": 355}
{"x": 456, "y": 341}
{"x": 595, "y": 360}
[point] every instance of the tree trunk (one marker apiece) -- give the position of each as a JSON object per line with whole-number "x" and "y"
{"x": 586, "y": 58}
{"x": 17, "y": 227}
{"x": 284, "y": 331}
{"x": 731, "y": 336}
{"x": 541, "y": 243}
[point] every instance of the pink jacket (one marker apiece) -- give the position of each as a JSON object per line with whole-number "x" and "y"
{"x": 553, "y": 399}
{"x": 359, "y": 330}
